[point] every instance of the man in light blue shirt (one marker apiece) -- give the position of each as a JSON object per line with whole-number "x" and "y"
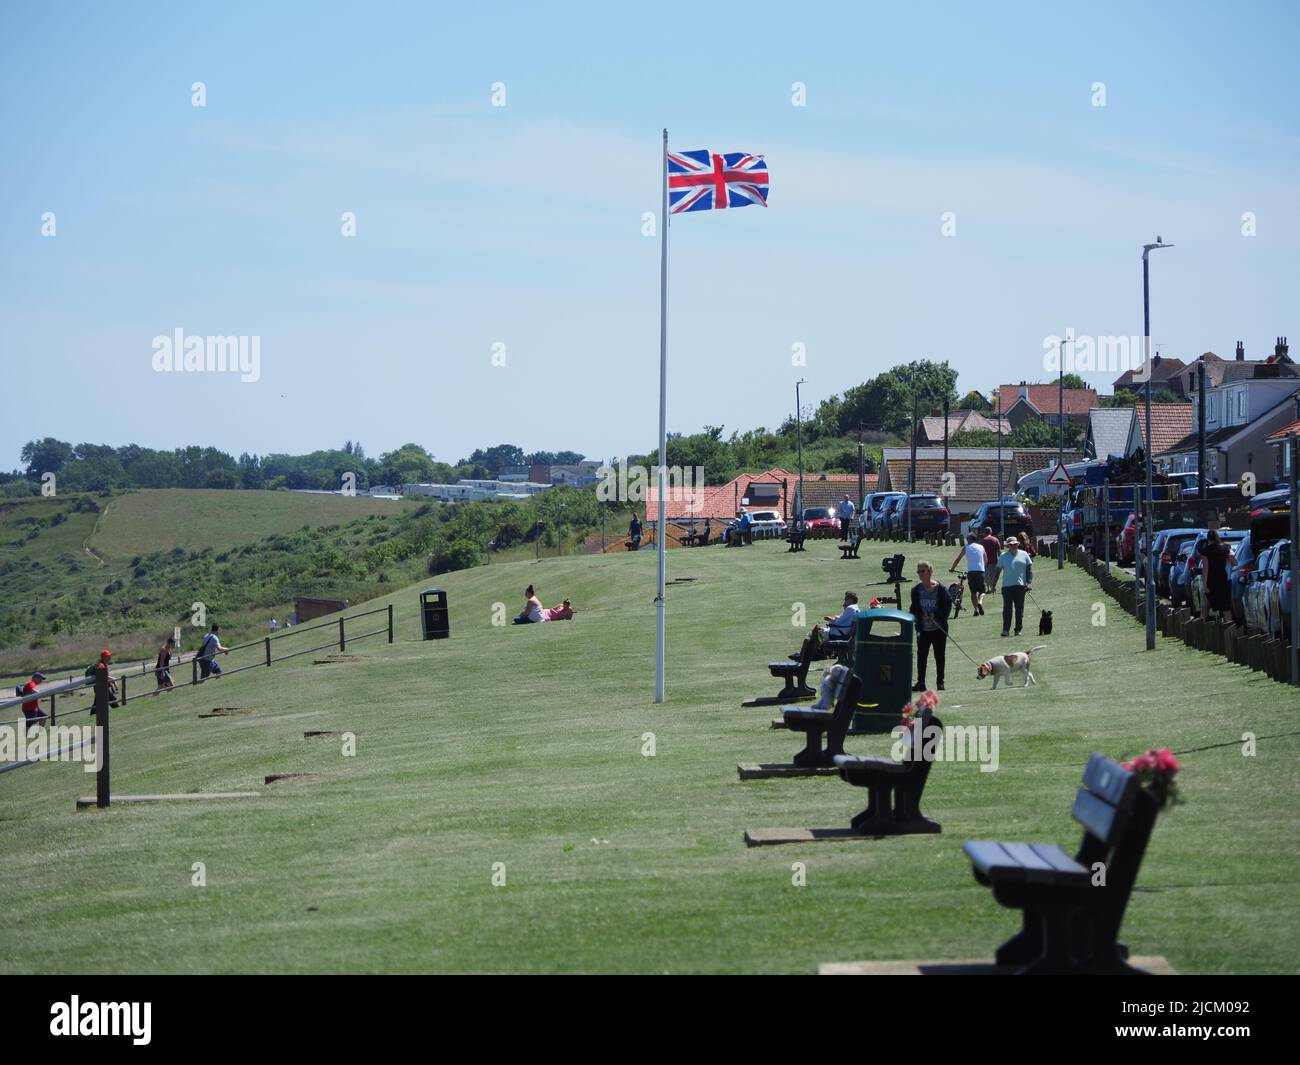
{"x": 845, "y": 512}
{"x": 1017, "y": 570}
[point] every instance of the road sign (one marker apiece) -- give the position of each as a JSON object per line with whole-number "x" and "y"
{"x": 1060, "y": 476}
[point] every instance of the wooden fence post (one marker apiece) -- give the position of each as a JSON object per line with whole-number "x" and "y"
{"x": 343, "y": 642}
{"x": 390, "y": 622}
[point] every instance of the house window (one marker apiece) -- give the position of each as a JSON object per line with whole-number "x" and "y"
{"x": 1241, "y": 403}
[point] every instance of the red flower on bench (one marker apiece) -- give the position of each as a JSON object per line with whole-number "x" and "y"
{"x": 1156, "y": 771}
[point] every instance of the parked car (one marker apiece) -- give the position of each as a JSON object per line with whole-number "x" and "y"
{"x": 1196, "y": 567}
{"x": 922, "y": 512}
{"x": 1270, "y": 516}
{"x": 873, "y": 508}
{"x": 820, "y": 521}
{"x": 1178, "y": 574}
{"x": 1279, "y": 592}
{"x": 1125, "y": 542}
{"x": 1256, "y": 595}
{"x": 1168, "y": 541}
{"x": 893, "y": 506}
{"x": 1009, "y": 513}
{"x": 769, "y": 522}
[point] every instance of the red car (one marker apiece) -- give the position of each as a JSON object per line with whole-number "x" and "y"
{"x": 1125, "y": 553}
{"x": 821, "y": 521}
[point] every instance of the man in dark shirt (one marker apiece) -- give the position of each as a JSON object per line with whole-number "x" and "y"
{"x": 991, "y": 551}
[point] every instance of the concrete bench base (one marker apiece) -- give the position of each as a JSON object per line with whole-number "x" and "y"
{"x": 765, "y": 770}
{"x": 196, "y": 796}
{"x": 1153, "y": 965}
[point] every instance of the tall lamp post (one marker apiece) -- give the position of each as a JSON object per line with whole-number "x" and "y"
{"x": 1150, "y": 547}
{"x": 798, "y": 429}
{"x": 1060, "y": 455}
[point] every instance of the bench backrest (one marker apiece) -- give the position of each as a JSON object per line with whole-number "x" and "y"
{"x": 1104, "y": 804}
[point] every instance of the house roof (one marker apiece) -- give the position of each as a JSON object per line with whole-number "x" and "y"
{"x": 1259, "y": 370}
{"x": 960, "y": 421}
{"x": 1170, "y": 422}
{"x": 975, "y": 479}
{"x": 828, "y": 489}
{"x": 1043, "y": 398}
{"x": 1028, "y": 459}
{"x": 1287, "y": 430}
{"x": 1110, "y": 429}
{"x": 1162, "y": 369}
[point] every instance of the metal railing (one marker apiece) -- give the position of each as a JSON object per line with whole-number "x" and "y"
{"x": 123, "y": 677}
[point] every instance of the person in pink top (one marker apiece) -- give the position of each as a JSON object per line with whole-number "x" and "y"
{"x": 563, "y": 612}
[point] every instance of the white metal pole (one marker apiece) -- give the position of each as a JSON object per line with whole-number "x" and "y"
{"x": 661, "y": 538}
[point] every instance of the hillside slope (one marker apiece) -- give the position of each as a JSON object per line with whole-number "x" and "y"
{"x": 524, "y": 746}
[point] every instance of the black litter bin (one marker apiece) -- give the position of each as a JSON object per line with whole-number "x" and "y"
{"x": 433, "y": 614}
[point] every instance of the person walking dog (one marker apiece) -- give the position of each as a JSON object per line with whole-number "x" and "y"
{"x": 931, "y": 606}
{"x": 1017, "y": 570}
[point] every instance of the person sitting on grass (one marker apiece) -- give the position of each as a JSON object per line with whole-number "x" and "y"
{"x": 533, "y": 610}
{"x": 562, "y": 612}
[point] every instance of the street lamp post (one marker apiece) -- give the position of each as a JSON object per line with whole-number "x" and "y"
{"x": 1150, "y": 546}
{"x": 798, "y": 429}
{"x": 1060, "y": 454}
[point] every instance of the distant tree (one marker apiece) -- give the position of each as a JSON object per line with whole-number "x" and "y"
{"x": 45, "y": 456}
{"x": 976, "y": 438}
{"x": 885, "y": 401}
{"x": 974, "y": 400}
{"x": 1073, "y": 380}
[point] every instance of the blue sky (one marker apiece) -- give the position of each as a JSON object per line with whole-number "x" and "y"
{"x": 521, "y": 225}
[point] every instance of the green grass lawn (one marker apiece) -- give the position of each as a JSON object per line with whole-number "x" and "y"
{"x": 523, "y": 746}
{"x": 137, "y": 523}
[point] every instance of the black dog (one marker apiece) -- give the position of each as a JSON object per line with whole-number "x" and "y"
{"x": 1045, "y": 623}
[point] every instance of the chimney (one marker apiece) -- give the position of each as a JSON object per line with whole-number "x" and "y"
{"x": 1024, "y": 390}
{"x": 1281, "y": 350}
{"x": 1241, "y": 351}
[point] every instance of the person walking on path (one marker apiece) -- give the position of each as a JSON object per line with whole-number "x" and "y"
{"x": 845, "y": 512}
{"x": 162, "y": 667}
{"x": 208, "y": 651}
{"x": 1017, "y": 570}
{"x": 1218, "y": 593}
{"x": 32, "y": 707}
{"x": 102, "y": 683}
{"x": 991, "y": 550}
{"x": 976, "y": 566}
{"x": 931, "y": 606}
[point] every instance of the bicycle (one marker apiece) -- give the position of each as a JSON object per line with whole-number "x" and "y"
{"x": 955, "y": 593}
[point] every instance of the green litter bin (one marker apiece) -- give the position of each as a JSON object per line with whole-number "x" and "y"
{"x": 882, "y": 660}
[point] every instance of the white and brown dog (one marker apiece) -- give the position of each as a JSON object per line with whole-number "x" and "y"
{"x": 1005, "y": 666}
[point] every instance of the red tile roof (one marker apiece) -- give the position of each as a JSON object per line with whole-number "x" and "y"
{"x": 1170, "y": 422}
{"x": 1281, "y": 435}
{"x": 1078, "y": 401}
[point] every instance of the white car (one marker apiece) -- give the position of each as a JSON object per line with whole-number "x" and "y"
{"x": 760, "y": 520}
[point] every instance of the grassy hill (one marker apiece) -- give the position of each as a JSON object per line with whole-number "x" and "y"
{"x": 523, "y": 746}
{"x": 77, "y": 572}
{"x": 139, "y": 523}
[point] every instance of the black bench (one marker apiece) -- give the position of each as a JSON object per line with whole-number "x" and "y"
{"x": 833, "y": 724}
{"x": 894, "y": 789}
{"x": 850, "y": 549}
{"x": 1071, "y": 919}
{"x": 795, "y": 675}
{"x": 893, "y": 567}
{"x": 839, "y": 648}
{"x": 795, "y": 538}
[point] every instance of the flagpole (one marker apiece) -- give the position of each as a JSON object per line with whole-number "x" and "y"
{"x": 661, "y": 535}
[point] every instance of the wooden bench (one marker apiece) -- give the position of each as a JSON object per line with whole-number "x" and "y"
{"x": 832, "y": 725}
{"x": 839, "y": 648}
{"x": 795, "y": 538}
{"x": 1071, "y": 918}
{"x": 894, "y": 789}
{"x": 850, "y": 549}
{"x": 795, "y": 675}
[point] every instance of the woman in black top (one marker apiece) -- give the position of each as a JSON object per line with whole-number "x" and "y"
{"x": 931, "y": 606}
{"x": 1218, "y": 595}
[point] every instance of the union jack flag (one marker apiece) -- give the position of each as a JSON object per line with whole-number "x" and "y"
{"x": 706, "y": 181}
